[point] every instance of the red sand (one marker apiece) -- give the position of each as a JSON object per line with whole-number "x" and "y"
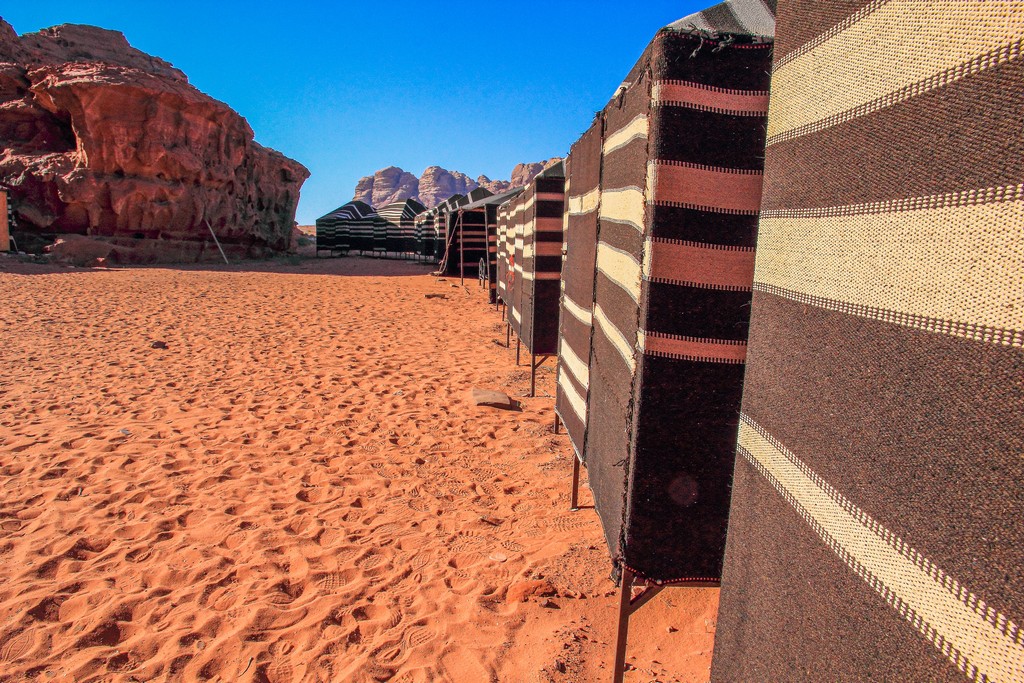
{"x": 295, "y": 489}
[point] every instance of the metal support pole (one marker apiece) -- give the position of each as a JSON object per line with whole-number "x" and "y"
{"x": 508, "y": 335}
{"x": 462, "y": 253}
{"x": 216, "y": 241}
{"x": 519, "y": 343}
{"x": 556, "y": 424}
{"x": 574, "y": 504}
{"x": 625, "y": 608}
{"x": 533, "y": 375}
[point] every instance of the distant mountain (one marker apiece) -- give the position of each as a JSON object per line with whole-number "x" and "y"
{"x": 393, "y": 184}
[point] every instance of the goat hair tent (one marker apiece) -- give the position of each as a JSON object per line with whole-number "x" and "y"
{"x": 361, "y": 231}
{"x": 424, "y": 232}
{"x": 876, "y": 525}
{"x": 484, "y": 214}
{"x": 334, "y": 231}
{"x": 678, "y": 167}
{"x": 465, "y": 237}
{"x": 582, "y": 187}
{"x": 503, "y": 239}
{"x": 535, "y": 221}
{"x": 398, "y": 219}
{"x": 433, "y": 233}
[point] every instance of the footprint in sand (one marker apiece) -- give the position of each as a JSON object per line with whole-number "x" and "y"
{"x": 15, "y": 646}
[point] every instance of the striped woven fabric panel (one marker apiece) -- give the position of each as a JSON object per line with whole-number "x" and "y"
{"x": 706, "y": 149}
{"x": 491, "y": 228}
{"x": 517, "y": 222}
{"x": 334, "y": 231}
{"x": 616, "y": 301}
{"x": 679, "y": 190}
{"x": 583, "y": 179}
{"x": 468, "y": 242}
{"x": 502, "y": 252}
{"x": 877, "y": 499}
{"x": 542, "y": 260}
{"x": 399, "y": 225}
{"x": 425, "y": 233}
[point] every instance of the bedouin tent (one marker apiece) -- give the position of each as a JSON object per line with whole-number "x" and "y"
{"x": 361, "y": 232}
{"x": 398, "y": 220}
{"x": 334, "y": 231}
{"x": 444, "y": 212}
{"x": 435, "y": 238}
{"x": 681, "y": 158}
{"x": 465, "y": 242}
{"x": 425, "y": 242}
{"x": 482, "y": 216}
{"x": 582, "y": 188}
{"x": 535, "y": 220}
{"x": 875, "y": 530}
{"x": 504, "y": 253}
{"x": 378, "y": 236}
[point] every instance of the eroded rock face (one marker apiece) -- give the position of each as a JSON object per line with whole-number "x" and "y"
{"x": 100, "y": 139}
{"x": 392, "y": 184}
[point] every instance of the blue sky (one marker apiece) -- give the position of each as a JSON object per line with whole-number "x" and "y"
{"x": 348, "y": 88}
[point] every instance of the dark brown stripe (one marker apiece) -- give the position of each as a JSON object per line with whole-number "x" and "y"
{"x": 701, "y": 137}
{"x": 922, "y": 431}
{"x": 782, "y": 581}
{"x": 696, "y": 312}
{"x": 626, "y": 166}
{"x": 735, "y": 68}
{"x": 800, "y": 21}
{"x": 618, "y": 307}
{"x": 710, "y": 227}
{"x": 680, "y": 484}
{"x": 866, "y": 159}
{"x": 606, "y": 442}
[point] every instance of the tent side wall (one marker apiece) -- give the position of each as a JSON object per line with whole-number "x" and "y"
{"x": 617, "y": 291}
{"x": 877, "y": 498}
{"x": 325, "y": 233}
{"x": 705, "y": 181}
{"x": 583, "y": 181}
{"x": 542, "y": 262}
{"x": 502, "y": 258}
{"x": 518, "y": 220}
{"x": 679, "y": 182}
{"x": 491, "y": 228}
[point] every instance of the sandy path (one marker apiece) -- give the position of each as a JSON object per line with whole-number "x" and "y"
{"x": 294, "y": 489}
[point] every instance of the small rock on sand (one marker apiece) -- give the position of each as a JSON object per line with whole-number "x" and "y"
{"x": 491, "y": 399}
{"x": 520, "y": 591}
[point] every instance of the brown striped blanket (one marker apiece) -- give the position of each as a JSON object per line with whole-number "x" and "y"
{"x": 875, "y": 530}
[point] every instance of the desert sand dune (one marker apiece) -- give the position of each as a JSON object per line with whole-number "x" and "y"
{"x": 294, "y": 489}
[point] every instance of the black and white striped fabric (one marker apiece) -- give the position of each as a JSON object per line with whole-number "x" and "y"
{"x": 454, "y": 251}
{"x": 398, "y": 221}
{"x": 335, "y": 231}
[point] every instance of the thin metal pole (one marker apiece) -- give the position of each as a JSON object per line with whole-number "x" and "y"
{"x": 216, "y": 241}
{"x": 575, "y": 502}
{"x": 533, "y": 375}
{"x": 462, "y": 253}
{"x": 508, "y": 335}
{"x": 518, "y": 346}
{"x": 556, "y": 423}
{"x": 625, "y": 597}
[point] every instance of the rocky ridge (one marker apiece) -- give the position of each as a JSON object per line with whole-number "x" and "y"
{"x": 100, "y": 139}
{"x": 392, "y": 184}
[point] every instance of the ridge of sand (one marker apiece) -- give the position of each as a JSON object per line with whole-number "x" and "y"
{"x": 294, "y": 489}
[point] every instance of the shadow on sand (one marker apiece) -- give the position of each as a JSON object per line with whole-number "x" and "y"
{"x": 347, "y": 266}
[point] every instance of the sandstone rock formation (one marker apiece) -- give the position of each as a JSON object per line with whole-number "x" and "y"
{"x": 100, "y": 139}
{"x": 392, "y": 184}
